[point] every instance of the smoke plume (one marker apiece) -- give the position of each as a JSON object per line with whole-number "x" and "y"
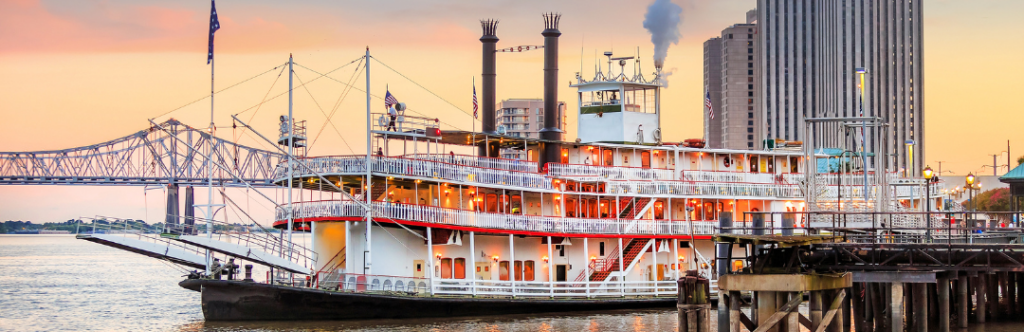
{"x": 662, "y": 21}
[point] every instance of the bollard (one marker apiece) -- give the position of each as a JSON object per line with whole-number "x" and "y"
{"x": 788, "y": 222}
{"x": 248, "y": 273}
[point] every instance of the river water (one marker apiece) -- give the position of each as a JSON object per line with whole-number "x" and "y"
{"x": 58, "y": 283}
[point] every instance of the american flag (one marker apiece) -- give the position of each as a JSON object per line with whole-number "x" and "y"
{"x": 707, "y": 103}
{"x": 475, "y": 105}
{"x": 389, "y": 100}
{"x": 214, "y": 26}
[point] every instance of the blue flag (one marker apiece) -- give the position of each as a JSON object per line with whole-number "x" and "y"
{"x": 214, "y": 26}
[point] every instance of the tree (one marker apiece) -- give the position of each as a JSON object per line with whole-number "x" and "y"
{"x": 1020, "y": 160}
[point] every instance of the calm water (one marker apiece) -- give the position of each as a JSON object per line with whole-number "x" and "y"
{"x": 57, "y": 283}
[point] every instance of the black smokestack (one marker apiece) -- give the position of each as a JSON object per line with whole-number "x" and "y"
{"x": 551, "y": 132}
{"x": 489, "y": 41}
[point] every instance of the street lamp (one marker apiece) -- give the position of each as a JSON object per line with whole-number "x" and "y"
{"x": 970, "y": 198}
{"x": 928, "y": 201}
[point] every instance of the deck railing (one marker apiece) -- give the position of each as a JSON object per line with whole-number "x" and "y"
{"x": 497, "y": 221}
{"x": 475, "y": 161}
{"x": 581, "y": 172}
{"x": 431, "y": 169}
{"x": 658, "y": 188}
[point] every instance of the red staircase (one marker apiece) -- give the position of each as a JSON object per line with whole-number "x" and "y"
{"x": 600, "y": 269}
{"x": 632, "y": 206}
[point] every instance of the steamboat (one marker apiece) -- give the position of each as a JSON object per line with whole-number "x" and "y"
{"x": 411, "y": 228}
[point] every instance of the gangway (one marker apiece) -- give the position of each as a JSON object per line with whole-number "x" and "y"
{"x": 143, "y": 240}
{"x": 259, "y": 246}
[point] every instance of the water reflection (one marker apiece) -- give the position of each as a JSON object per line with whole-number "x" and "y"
{"x": 618, "y": 320}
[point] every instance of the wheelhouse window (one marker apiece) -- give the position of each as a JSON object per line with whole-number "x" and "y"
{"x": 639, "y": 99}
{"x": 601, "y": 101}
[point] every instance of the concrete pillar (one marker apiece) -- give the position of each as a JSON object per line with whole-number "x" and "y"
{"x": 838, "y": 323}
{"x": 766, "y": 307}
{"x": 896, "y": 307}
{"x": 942, "y": 288}
{"x": 962, "y": 296}
{"x": 920, "y": 307}
{"x": 781, "y": 298}
{"x": 992, "y": 297}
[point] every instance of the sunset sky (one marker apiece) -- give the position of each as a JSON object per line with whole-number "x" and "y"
{"x": 86, "y": 71}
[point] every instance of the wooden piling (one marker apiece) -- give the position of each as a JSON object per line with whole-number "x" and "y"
{"x": 1011, "y": 293}
{"x": 766, "y": 306}
{"x": 964, "y": 305}
{"x": 814, "y": 307}
{"x": 694, "y": 303}
{"x": 981, "y": 293}
{"x": 942, "y": 292}
{"x": 921, "y": 307}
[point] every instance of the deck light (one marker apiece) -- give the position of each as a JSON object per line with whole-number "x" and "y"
{"x": 593, "y": 258}
{"x": 682, "y": 258}
{"x": 545, "y": 258}
{"x": 495, "y": 258}
{"x": 438, "y": 256}
{"x": 927, "y": 172}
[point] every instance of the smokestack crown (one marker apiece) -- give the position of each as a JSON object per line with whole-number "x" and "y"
{"x": 551, "y": 25}
{"x": 490, "y": 27}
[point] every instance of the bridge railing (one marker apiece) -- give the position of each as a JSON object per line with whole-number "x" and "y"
{"x": 498, "y": 221}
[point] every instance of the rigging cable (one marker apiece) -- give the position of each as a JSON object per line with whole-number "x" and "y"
{"x": 221, "y": 90}
{"x": 337, "y": 104}
{"x": 325, "y": 115}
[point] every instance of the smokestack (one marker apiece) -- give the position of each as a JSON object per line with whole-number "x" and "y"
{"x": 489, "y": 41}
{"x": 551, "y": 132}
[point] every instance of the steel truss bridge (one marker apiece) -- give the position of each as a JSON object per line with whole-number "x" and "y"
{"x": 153, "y": 156}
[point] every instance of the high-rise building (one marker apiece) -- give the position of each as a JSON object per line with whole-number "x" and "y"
{"x": 729, "y": 81}
{"x": 523, "y": 118}
{"x": 808, "y": 55}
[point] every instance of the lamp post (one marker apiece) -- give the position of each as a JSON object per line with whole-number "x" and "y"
{"x": 927, "y": 172}
{"x": 970, "y": 199}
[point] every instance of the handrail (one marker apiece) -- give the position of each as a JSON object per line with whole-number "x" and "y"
{"x": 455, "y": 217}
{"x": 399, "y": 166}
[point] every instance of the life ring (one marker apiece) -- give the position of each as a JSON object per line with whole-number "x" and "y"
{"x": 726, "y": 161}
{"x": 382, "y": 121}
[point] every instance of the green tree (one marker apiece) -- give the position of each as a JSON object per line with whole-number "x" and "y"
{"x": 1020, "y": 160}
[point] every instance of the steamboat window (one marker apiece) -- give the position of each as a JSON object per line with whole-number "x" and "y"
{"x": 604, "y": 208}
{"x": 519, "y": 270}
{"x": 561, "y": 250}
{"x": 460, "y": 268}
{"x": 609, "y": 158}
{"x": 503, "y": 270}
{"x": 446, "y": 268}
{"x": 600, "y": 248}
{"x": 570, "y": 208}
{"x": 659, "y": 211}
{"x": 645, "y": 159}
{"x": 565, "y": 156}
{"x": 528, "y": 274}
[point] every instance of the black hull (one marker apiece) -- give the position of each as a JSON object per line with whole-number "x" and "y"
{"x": 238, "y": 301}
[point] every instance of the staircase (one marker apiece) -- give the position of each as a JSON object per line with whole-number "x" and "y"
{"x": 600, "y": 270}
{"x": 335, "y": 262}
{"x": 632, "y": 206}
{"x": 377, "y": 190}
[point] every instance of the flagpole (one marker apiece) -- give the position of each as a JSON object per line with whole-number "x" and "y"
{"x": 473, "y": 119}
{"x": 209, "y": 171}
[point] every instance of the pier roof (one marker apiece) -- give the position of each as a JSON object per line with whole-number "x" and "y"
{"x": 783, "y": 241}
{"x": 1014, "y": 175}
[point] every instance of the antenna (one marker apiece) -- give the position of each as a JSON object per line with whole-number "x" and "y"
{"x": 582, "y": 39}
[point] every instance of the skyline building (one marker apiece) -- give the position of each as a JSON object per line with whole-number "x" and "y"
{"x": 808, "y": 55}
{"x": 521, "y": 117}
{"x": 729, "y": 81}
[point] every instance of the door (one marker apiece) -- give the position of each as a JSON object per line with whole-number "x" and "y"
{"x": 560, "y": 272}
{"x": 418, "y": 266}
{"x": 483, "y": 271}
{"x": 661, "y": 272}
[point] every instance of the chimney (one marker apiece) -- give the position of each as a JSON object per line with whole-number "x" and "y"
{"x": 489, "y": 41}
{"x": 550, "y": 132}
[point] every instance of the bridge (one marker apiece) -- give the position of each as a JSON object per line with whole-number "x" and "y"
{"x": 152, "y": 156}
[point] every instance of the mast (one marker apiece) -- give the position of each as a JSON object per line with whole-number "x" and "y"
{"x": 291, "y": 146}
{"x": 209, "y": 172}
{"x": 367, "y": 186}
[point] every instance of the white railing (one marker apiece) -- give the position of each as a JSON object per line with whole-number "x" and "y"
{"x": 521, "y": 288}
{"x": 358, "y": 283}
{"x": 483, "y": 162}
{"x": 498, "y": 221}
{"x": 658, "y": 188}
{"x": 608, "y": 172}
{"x": 397, "y": 166}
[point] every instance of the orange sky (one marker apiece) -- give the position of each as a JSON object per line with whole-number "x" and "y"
{"x": 81, "y": 72}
